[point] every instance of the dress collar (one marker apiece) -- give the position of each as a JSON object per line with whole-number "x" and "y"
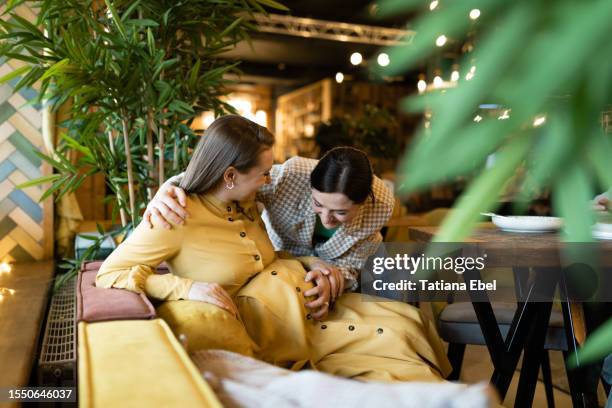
{"x": 229, "y": 208}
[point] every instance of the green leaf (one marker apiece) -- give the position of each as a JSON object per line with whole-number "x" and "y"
{"x": 463, "y": 154}
{"x": 76, "y": 145}
{"x": 554, "y": 148}
{"x": 572, "y": 201}
{"x": 54, "y": 187}
{"x": 55, "y": 68}
{"x": 600, "y": 150}
{"x": 596, "y": 347}
{"x": 28, "y": 80}
{"x": 164, "y": 65}
{"x": 128, "y": 12}
{"x": 231, "y": 27}
{"x": 39, "y": 181}
{"x": 116, "y": 19}
{"x": 143, "y": 22}
{"x": 273, "y": 4}
{"x": 483, "y": 192}
{"x": 193, "y": 74}
{"x": 150, "y": 41}
{"x": 6, "y": 78}
{"x": 180, "y": 106}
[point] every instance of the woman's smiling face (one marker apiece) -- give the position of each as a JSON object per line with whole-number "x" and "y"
{"x": 247, "y": 184}
{"x": 334, "y": 209}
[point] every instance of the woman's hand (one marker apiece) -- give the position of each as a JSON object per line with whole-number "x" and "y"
{"x": 336, "y": 279}
{"x": 321, "y": 291}
{"x": 168, "y": 204}
{"x": 212, "y": 293}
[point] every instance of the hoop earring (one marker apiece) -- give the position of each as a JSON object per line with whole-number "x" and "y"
{"x": 230, "y": 186}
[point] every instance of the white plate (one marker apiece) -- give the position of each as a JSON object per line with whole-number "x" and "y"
{"x": 602, "y": 231}
{"x": 527, "y": 223}
{"x": 603, "y": 227}
{"x": 602, "y": 235}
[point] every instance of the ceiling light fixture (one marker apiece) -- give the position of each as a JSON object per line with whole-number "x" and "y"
{"x": 383, "y": 59}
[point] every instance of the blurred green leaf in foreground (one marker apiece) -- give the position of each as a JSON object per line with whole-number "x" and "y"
{"x": 549, "y": 64}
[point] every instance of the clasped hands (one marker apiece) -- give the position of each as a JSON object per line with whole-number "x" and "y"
{"x": 329, "y": 285}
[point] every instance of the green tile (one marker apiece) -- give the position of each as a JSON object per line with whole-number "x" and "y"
{"x": 6, "y": 111}
{"x": 25, "y": 147}
{"x": 6, "y": 226}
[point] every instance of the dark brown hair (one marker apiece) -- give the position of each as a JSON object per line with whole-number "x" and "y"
{"x": 230, "y": 140}
{"x": 344, "y": 170}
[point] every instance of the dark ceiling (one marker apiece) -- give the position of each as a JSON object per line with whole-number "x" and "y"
{"x": 350, "y": 11}
{"x": 294, "y": 61}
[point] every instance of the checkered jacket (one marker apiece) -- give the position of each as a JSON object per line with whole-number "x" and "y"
{"x": 290, "y": 219}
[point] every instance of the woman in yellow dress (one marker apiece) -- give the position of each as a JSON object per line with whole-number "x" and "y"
{"x": 227, "y": 288}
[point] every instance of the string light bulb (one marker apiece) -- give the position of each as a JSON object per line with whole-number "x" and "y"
{"x": 539, "y": 121}
{"x": 5, "y": 267}
{"x": 441, "y": 40}
{"x": 339, "y": 77}
{"x": 433, "y": 5}
{"x": 356, "y": 58}
{"x": 383, "y": 59}
{"x": 471, "y": 73}
{"x": 474, "y": 14}
{"x": 454, "y": 76}
{"x": 437, "y": 81}
{"x": 421, "y": 85}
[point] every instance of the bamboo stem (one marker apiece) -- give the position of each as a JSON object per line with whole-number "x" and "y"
{"x": 150, "y": 157}
{"x": 111, "y": 145}
{"x": 130, "y": 174}
{"x": 162, "y": 143}
{"x": 175, "y": 154}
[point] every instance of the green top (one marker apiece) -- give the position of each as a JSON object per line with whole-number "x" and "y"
{"x": 322, "y": 234}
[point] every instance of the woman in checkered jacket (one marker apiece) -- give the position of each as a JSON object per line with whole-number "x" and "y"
{"x": 327, "y": 213}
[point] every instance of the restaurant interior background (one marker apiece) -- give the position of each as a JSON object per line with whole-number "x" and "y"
{"x": 319, "y": 75}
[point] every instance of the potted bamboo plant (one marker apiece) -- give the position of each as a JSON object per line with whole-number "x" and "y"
{"x": 133, "y": 74}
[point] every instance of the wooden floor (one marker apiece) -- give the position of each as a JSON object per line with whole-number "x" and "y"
{"x": 21, "y": 318}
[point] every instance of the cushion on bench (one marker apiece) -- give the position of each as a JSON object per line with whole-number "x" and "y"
{"x": 137, "y": 363}
{"x": 100, "y": 304}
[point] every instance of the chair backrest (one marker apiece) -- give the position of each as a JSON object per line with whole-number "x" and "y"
{"x": 400, "y": 222}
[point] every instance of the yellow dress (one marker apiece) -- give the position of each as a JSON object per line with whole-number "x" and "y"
{"x": 227, "y": 244}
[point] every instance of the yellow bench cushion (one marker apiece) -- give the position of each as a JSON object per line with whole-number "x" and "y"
{"x": 137, "y": 363}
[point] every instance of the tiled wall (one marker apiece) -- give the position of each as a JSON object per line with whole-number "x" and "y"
{"x": 25, "y": 224}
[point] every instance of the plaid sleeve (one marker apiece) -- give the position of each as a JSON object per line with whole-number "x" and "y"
{"x": 351, "y": 262}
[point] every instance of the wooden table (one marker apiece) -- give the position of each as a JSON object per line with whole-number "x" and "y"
{"x": 21, "y": 318}
{"x": 542, "y": 253}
